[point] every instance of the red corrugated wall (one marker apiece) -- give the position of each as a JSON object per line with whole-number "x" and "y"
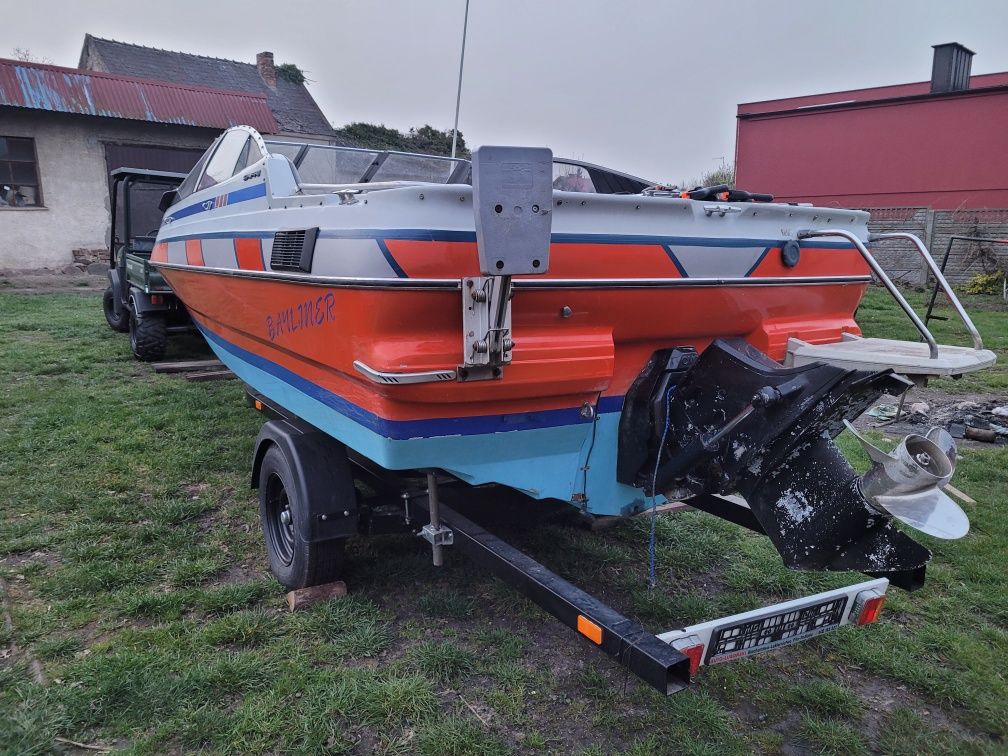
{"x": 941, "y": 152}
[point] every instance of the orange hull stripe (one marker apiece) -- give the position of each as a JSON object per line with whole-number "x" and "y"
{"x": 194, "y": 252}
{"x": 427, "y": 259}
{"x": 317, "y": 333}
{"x": 249, "y": 254}
{"x": 160, "y": 253}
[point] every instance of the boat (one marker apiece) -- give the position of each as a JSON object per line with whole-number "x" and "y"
{"x": 569, "y": 331}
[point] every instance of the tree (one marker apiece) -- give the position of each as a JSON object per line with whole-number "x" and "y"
{"x": 723, "y": 174}
{"x": 25, "y": 55}
{"x": 290, "y": 72}
{"x": 425, "y": 139}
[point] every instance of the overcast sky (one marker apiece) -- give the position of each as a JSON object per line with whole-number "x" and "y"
{"x": 647, "y": 87}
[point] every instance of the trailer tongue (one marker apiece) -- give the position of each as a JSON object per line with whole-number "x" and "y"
{"x": 668, "y": 660}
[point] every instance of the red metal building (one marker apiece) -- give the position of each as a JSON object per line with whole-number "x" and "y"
{"x": 941, "y": 143}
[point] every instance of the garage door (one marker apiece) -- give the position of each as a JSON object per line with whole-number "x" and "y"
{"x": 177, "y": 159}
{"x": 145, "y": 215}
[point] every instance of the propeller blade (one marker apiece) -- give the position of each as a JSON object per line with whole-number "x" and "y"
{"x": 930, "y": 511}
{"x": 906, "y": 483}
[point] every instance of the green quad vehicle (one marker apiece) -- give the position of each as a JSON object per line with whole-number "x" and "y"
{"x": 138, "y": 299}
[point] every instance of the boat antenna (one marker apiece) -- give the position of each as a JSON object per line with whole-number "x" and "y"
{"x": 458, "y": 96}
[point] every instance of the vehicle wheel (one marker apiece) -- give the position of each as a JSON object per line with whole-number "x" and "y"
{"x": 295, "y": 562}
{"x": 148, "y": 337}
{"x": 118, "y": 322}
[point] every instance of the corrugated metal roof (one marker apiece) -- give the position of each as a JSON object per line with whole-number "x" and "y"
{"x": 71, "y": 90}
{"x": 292, "y": 104}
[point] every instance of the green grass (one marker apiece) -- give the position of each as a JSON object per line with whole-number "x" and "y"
{"x": 130, "y": 545}
{"x": 879, "y": 316}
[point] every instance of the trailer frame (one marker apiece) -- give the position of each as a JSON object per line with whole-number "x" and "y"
{"x": 665, "y": 661}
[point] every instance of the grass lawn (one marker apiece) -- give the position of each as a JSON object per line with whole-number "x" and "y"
{"x": 144, "y": 618}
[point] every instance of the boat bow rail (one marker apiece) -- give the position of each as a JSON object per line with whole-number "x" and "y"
{"x": 913, "y": 359}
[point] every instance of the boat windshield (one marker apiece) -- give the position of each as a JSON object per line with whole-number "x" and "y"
{"x": 324, "y": 164}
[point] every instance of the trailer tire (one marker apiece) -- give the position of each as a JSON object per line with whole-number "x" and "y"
{"x": 148, "y": 337}
{"x": 295, "y": 561}
{"x": 117, "y": 321}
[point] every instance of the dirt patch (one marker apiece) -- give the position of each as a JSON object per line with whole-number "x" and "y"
{"x": 927, "y": 407}
{"x": 73, "y": 279}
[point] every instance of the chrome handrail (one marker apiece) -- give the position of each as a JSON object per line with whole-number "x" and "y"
{"x": 939, "y": 277}
{"x": 883, "y": 277}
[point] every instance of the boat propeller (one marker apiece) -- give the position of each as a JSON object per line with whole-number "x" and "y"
{"x": 906, "y": 483}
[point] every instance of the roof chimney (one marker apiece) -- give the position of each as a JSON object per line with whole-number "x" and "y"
{"x": 264, "y": 62}
{"x": 950, "y": 71}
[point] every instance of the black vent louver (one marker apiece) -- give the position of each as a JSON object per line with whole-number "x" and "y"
{"x": 293, "y": 250}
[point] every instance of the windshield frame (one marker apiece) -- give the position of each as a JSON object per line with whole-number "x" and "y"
{"x": 457, "y": 175}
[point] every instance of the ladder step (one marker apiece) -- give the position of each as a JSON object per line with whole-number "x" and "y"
{"x": 909, "y": 358}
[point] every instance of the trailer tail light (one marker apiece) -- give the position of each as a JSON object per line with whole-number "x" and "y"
{"x": 157, "y": 299}
{"x": 589, "y": 630}
{"x": 693, "y": 649}
{"x": 867, "y": 607}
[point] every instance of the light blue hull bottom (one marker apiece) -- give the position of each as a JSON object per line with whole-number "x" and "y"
{"x": 565, "y": 462}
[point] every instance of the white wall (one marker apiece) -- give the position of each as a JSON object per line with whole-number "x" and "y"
{"x": 73, "y": 174}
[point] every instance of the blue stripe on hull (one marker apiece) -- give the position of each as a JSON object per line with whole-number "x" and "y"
{"x": 546, "y": 462}
{"x": 239, "y": 195}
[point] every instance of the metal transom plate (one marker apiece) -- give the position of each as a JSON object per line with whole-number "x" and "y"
{"x": 513, "y": 200}
{"x": 486, "y": 338}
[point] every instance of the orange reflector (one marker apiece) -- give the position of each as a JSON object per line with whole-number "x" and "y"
{"x": 695, "y": 655}
{"x": 258, "y": 405}
{"x": 589, "y": 630}
{"x": 871, "y": 610}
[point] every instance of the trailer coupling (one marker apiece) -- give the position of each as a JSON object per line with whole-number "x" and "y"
{"x": 733, "y": 421}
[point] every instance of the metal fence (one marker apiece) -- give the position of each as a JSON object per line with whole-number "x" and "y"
{"x": 935, "y": 227}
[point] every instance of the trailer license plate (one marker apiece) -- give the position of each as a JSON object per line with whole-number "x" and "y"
{"x": 770, "y": 631}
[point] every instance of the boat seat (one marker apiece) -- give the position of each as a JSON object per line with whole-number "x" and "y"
{"x": 910, "y": 358}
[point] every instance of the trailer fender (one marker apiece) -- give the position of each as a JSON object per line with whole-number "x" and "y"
{"x": 117, "y": 290}
{"x": 321, "y": 473}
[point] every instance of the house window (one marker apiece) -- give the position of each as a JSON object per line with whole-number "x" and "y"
{"x": 19, "y": 182}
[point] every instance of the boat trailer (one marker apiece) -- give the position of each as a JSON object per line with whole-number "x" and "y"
{"x": 666, "y": 661}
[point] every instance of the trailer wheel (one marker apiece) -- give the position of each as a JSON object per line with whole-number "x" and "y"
{"x": 148, "y": 337}
{"x": 117, "y": 322}
{"x": 296, "y": 562}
